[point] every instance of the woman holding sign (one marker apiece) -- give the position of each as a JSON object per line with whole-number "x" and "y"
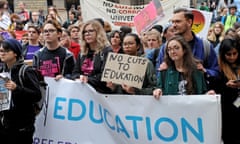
{"x": 181, "y": 77}
{"x": 131, "y": 44}
{"x": 91, "y": 60}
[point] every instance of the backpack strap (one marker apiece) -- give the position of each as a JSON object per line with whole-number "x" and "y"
{"x": 155, "y": 56}
{"x": 38, "y": 57}
{"x": 21, "y": 73}
{"x": 163, "y": 77}
{"x": 223, "y": 19}
{"x": 206, "y": 47}
{"x": 64, "y": 61}
{"x": 156, "y": 52}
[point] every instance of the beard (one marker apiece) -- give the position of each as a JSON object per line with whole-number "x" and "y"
{"x": 181, "y": 31}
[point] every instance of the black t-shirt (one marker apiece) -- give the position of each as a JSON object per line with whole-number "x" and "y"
{"x": 51, "y": 61}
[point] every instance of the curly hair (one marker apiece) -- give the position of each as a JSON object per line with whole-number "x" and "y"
{"x": 101, "y": 37}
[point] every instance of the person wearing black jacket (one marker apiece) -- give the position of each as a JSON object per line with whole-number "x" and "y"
{"x": 71, "y": 20}
{"x": 91, "y": 60}
{"x": 17, "y": 122}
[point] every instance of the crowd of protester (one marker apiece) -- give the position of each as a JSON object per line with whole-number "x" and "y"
{"x": 180, "y": 62}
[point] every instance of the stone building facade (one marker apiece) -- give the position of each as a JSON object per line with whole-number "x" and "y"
{"x": 64, "y": 5}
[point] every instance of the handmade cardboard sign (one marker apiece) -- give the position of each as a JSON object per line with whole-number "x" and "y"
{"x": 125, "y": 69}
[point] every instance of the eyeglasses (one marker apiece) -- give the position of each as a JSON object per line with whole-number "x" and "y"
{"x": 231, "y": 54}
{"x": 88, "y": 31}
{"x": 32, "y": 32}
{"x": 152, "y": 40}
{"x": 115, "y": 36}
{"x": 63, "y": 37}
{"x": 174, "y": 49}
{"x": 128, "y": 44}
{"x": 73, "y": 31}
{"x": 4, "y": 50}
{"x": 49, "y": 31}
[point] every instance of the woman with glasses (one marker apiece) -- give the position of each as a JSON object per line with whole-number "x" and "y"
{"x": 131, "y": 45}
{"x": 94, "y": 50}
{"x": 229, "y": 88}
{"x": 182, "y": 76}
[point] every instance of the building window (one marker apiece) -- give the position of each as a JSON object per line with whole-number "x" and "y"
{"x": 116, "y": 1}
{"x": 137, "y": 2}
{"x": 140, "y": 2}
{"x": 132, "y": 2}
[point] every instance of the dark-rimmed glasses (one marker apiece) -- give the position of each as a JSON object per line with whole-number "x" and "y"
{"x": 88, "y": 31}
{"x": 5, "y": 50}
{"x": 49, "y": 31}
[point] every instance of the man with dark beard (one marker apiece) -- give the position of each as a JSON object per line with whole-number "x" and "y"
{"x": 182, "y": 22}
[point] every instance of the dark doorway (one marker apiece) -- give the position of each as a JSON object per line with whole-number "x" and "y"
{"x": 49, "y": 2}
{"x": 71, "y": 3}
{"x": 11, "y": 5}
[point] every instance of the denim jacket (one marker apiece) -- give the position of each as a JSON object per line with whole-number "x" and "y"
{"x": 168, "y": 81}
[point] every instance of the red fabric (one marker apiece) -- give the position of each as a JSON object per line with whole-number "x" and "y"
{"x": 19, "y": 34}
{"x": 74, "y": 48}
{"x": 26, "y": 15}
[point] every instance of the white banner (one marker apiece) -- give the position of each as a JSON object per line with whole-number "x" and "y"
{"x": 77, "y": 114}
{"x": 201, "y": 22}
{"x": 119, "y": 14}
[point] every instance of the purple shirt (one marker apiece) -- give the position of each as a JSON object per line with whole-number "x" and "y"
{"x": 30, "y": 52}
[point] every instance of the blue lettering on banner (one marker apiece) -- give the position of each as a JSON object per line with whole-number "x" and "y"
{"x": 186, "y": 125}
{"x": 37, "y": 140}
{"x": 106, "y": 112}
{"x": 148, "y": 127}
{"x": 134, "y": 121}
{"x": 91, "y": 113}
{"x": 121, "y": 127}
{"x": 58, "y": 107}
{"x": 101, "y": 115}
{"x": 70, "y": 109}
{"x": 171, "y": 123}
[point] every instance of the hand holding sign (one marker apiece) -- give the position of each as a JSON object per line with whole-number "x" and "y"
{"x": 128, "y": 89}
{"x": 125, "y": 69}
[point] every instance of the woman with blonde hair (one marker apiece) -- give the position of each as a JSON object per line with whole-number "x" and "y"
{"x": 217, "y": 34}
{"x": 94, "y": 50}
